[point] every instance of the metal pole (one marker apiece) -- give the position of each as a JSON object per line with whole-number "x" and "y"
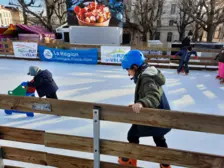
{"x": 1, "y": 158}
{"x": 96, "y": 136}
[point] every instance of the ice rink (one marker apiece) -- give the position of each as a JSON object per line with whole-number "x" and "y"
{"x": 199, "y": 92}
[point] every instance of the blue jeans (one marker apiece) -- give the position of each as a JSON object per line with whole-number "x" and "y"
{"x": 183, "y": 64}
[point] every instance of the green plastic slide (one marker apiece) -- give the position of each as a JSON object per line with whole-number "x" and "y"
{"x": 19, "y": 91}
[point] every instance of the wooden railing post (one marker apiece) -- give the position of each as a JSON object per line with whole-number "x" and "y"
{"x": 96, "y": 136}
{"x": 1, "y": 158}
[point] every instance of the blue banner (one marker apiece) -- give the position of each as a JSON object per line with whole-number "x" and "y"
{"x": 88, "y": 56}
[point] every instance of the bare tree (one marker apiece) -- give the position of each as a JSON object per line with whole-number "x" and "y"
{"x": 46, "y": 13}
{"x": 22, "y": 4}
{"x": 142, "y": 15}
{"x": 61, "y": 12}
{"x": 182, "y": 20}
{"x": 212, "y": 14}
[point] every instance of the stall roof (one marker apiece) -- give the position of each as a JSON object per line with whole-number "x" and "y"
{"x": 36, "y": 30}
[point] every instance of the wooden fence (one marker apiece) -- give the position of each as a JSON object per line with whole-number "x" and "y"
{"x": 163, "y": 61}
{"x": 149, "y": 117}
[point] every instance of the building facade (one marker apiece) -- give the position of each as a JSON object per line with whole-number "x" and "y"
{"x": 167, "y": 30}
{"x": 17, "y": 15}
{"x": 5, "y": 16}
{"x": 218, "y": 35}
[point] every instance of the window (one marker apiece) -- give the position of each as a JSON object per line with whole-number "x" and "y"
{"x": 171, "y": 22}
{"x": 173, "y": 8}
{"x": 157, "y": 36}
{"x": 169, "y": 36}
{"x": 158, "y": 23}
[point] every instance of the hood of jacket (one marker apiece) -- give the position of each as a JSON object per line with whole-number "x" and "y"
{"x": 155, "y": 74}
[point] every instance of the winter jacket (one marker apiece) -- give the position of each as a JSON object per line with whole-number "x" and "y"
{"x": 220, "y": 56}
{"x": 44, "y": 83}
{"x": 149, "y": 90}
{"x": 186, "y": 55}
{"x": 186, "y": 42}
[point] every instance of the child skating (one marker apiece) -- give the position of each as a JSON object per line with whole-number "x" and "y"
{"x": 185, "y": 55}
{"x": 43, "y": 82}
{"x": 220, "y": 58}
{"x": 148, "y": 94}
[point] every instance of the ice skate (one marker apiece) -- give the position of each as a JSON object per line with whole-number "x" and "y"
{"x": 222, "y": 81}
{"x": 182, "y": 70}
{"x": 218, "y": 77}
{"x": 127, "y": 162}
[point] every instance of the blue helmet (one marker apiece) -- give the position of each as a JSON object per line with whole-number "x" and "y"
{"x": 133, "y": 57}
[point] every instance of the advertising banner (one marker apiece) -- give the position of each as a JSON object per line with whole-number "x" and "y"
{"x": 95, "y": 12}
{"x": 85, "y": 56}
{"x": 25, "y": 49}
{"x": 113, "y": 54}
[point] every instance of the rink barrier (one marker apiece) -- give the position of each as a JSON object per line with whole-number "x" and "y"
{"x": 151, "y": 117}
{"x": 207, "y": 63}
{"x": 139, "y": 47}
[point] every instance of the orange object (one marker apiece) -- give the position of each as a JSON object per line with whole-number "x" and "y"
{"x": 127, "y": 162}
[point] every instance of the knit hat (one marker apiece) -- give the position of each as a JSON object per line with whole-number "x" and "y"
{"x": 33, "y": 71}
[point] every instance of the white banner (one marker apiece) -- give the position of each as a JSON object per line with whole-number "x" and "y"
{"x": 113, "y": 54}
{"x": 25, "y": 49}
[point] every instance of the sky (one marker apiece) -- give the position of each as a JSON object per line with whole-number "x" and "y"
{"x": 4, "y": 2}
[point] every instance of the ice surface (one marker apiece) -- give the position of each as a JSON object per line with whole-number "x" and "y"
{"x": 199, "y": 92}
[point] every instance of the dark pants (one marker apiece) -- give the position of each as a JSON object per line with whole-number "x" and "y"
{"x": 138, "y": 131}
{"x": 183, "y": 64}
{"x": 52, "y": 96}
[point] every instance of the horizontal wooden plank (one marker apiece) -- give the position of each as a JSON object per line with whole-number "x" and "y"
{"x": 47, "y": 159}
{"x": 156, "y": 56}
{"x": 159, "y": 61}
{"x": 107, "y": 147}
{"x": 23, "y": 155}
{"x": 167, "y": 66}
{"x": 198, "y": 63}
{"x": 22, "y": 135}
{"x": 17, "y": 58}
{"x": 149, "y": 56}
{"x": 206, "y": 58}
{"x": 140, "y": 47}
{"x": 8, "y": 166}
{"x": 5, "y": 53}
{"x": 151, "y": 117}
{"x": 140, "y": 152}
{"x": 71, "y": 162}
{"x": 144, "y": 47}
{"x": 4, "y": 42}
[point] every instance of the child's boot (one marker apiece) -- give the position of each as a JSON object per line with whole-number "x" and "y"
{"x": 127, "y": 162}
{"x": 163, "y": 166}
{"x": 222, "y": 81}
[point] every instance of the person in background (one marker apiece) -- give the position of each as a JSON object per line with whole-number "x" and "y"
{"x": 187, "y": 40}
{"x": 148, "y": 94}
{"x": 220, "y": 58}
{"x": 185, "y": 55}
{"x": 43, "y": 82}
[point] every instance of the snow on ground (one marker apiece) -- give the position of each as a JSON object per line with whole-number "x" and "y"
{"x": 199, "y": 92}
